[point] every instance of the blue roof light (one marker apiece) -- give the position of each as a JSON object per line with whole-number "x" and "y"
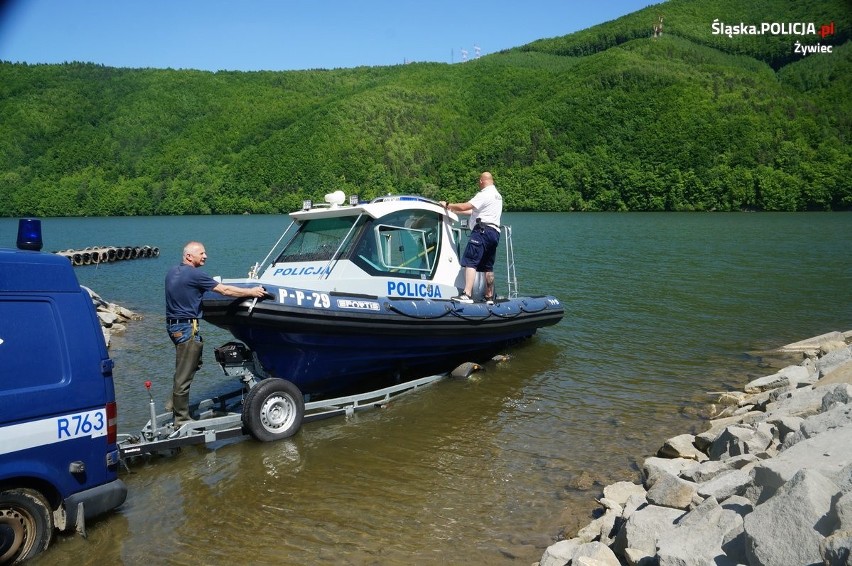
{"x": 29, "y": 234}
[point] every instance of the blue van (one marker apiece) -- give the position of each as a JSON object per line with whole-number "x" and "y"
{"x": 58, "y": 454}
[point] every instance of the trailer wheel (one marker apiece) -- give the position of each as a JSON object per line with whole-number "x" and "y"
{"x": 273, "y": 410}
{"x": 26, "y": 525}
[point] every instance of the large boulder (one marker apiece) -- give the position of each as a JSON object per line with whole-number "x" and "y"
{"x": 682, "y": 446}
{"x": 842, "y": 512}
{"x": 833, "y": 359}
{"x": 601, "y": 528}
{"x": 655, "y": 466}
{"x": 836, "y": 549}
{"x": 718, "y": 426}
{"x": 788, "y": 528}
{"x": 700, "y": 535}
{"x": 837, "y": 374}
{"x": 798, "y": 403}
{"x": 837, "y": 417}
{"x": 737, "y": 440}
{"x": 620, "y": 492}
{"x": 644, "y": 528}
{"x": 723, "y": 486}
{"x": 577, "y": 552}
{"x": 560, "y": 553}
{"x": 672, "y": 491}
{"x": 594, "y": 554}
{"x": 107, "y": 318}
{"x": 816, "y": 343}
{"x": 706, "y": 471}
{"x": 829, "y": 453}
{"x": 795, "y": 376}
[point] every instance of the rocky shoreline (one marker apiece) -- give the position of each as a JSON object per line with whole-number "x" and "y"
{"x": 113, "y": 317}
{"x": 768, "y": 483}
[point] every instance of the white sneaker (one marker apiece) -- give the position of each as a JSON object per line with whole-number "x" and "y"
{"x": 463, "y": 298}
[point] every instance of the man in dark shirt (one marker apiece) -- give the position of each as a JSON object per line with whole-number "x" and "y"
{"x": 185, "y": 284}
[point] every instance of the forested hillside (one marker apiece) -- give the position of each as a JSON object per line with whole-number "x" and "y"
{"x": 609, "y": 118}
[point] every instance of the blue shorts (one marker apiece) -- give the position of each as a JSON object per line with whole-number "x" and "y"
{"x": 481, "y": 250}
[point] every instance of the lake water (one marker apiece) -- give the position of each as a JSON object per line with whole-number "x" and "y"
{"x": 660, "y": 309}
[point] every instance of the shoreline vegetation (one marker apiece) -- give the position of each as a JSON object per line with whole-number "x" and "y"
{"x": 768, "y": 483}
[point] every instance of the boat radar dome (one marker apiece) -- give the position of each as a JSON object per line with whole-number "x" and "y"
{"x": 336, "y": 198}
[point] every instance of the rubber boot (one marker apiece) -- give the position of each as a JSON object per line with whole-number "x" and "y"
{"x": 187, "y": 362}
{"x": 180, "y": 407}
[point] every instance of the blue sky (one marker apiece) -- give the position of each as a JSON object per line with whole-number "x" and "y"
{"x": 281, "y": 35}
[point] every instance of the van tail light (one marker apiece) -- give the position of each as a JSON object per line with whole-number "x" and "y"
{"x": 112, "y": 422}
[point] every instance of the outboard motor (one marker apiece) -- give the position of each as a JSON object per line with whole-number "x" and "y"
{"x": 237, "y": 360}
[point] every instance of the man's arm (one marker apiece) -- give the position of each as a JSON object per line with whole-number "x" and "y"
{"x": 463, "y": 207}
{"x": 234, "y": 291}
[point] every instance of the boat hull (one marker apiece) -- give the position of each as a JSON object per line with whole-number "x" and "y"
{"x": 328, "y": 343}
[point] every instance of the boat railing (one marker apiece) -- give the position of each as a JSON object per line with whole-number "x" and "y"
{"x": 254, "y": 272}
{"x": 510, "y": 262}
{"x": 337, "y": 253}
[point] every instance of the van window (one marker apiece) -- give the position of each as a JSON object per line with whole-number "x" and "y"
{"x": 27, "y": 327}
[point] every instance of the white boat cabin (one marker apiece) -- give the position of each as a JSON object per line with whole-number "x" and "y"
{"x": 395, "y": 246}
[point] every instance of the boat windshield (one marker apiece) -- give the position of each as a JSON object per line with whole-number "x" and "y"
{"x": 402, "y": 244}
{"x": 318, "y": 240}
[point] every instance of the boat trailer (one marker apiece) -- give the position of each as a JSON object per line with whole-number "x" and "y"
{"x": 265, "y": 408}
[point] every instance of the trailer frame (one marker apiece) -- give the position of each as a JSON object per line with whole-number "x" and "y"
{"x": 219, "y": 417}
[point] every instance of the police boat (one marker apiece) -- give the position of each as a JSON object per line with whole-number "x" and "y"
{"x": 360, "y": 294}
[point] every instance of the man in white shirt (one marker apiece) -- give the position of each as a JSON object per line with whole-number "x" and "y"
{"x": 485, "y": 209}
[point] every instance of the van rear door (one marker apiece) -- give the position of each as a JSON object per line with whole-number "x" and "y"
{"x": 55, "y": 380}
